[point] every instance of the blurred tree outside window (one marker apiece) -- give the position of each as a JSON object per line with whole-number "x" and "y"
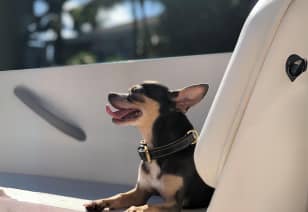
{"x": 42, "y": 33}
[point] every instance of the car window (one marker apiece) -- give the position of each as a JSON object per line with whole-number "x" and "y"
{"x": 43, "y": 33}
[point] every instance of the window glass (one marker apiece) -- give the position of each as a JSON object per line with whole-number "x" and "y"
{"x": 41, "y": 33}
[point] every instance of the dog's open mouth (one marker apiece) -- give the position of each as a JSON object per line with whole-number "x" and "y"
{"x": 123, "y": 114}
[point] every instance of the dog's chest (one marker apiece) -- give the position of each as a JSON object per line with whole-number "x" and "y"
{"x": 150, "y": 175}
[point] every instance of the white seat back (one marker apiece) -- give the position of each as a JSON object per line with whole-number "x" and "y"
{"x": 253, "y": 145}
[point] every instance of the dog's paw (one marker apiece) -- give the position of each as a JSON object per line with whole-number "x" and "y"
{"x": 96, "y": 206}
{"x": 138, "y": 208}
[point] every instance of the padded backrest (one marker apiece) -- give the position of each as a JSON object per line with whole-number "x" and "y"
{"x": 252, "y": 147}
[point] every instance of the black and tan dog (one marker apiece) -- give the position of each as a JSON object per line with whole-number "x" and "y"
{"x": 167, "y": 168}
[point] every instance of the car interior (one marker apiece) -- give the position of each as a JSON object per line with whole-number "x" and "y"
{"x": 61, "y": 150}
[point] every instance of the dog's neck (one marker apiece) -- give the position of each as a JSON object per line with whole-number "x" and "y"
{"x": 147, "y": 136}
{"x": 165, "y": 129}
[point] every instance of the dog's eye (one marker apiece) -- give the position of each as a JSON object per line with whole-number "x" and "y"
{"x": 136, "y": 89}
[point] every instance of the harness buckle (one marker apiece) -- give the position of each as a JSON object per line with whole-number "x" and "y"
{"x": 195, "y": 135}
{"x": 144, "y": 150}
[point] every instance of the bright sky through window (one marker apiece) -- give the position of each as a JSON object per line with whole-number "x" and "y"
{"x": 117, "y": 15}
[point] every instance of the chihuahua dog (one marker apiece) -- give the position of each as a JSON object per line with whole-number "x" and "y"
{"x": 167, "y": 167}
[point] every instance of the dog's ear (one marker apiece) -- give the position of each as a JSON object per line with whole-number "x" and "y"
{"x": 189, "y": 96}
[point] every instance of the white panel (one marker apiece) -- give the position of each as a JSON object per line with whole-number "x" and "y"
{"x": 237, "y": 84}
{"x": 78, "y": 93}
{"x": 258, "y": 160}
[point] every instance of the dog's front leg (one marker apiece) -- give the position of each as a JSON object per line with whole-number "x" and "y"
{"x": 171, "y": 206}
{"x": 136, "y": 196}
{"x": 171, "y": 190}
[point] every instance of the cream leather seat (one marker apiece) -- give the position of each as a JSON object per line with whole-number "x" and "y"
{"x": 254, "y": 143}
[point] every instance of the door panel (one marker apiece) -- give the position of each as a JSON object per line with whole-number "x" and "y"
{"x": 77, "y": 95}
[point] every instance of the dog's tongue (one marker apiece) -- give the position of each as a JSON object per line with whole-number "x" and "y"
{"x": 119, "y": 114}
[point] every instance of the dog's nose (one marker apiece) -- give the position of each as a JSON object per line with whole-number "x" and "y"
{"x": 111, "y": 96}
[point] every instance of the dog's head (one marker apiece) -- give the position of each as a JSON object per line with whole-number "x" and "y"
{"x": 145, "y": 102}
